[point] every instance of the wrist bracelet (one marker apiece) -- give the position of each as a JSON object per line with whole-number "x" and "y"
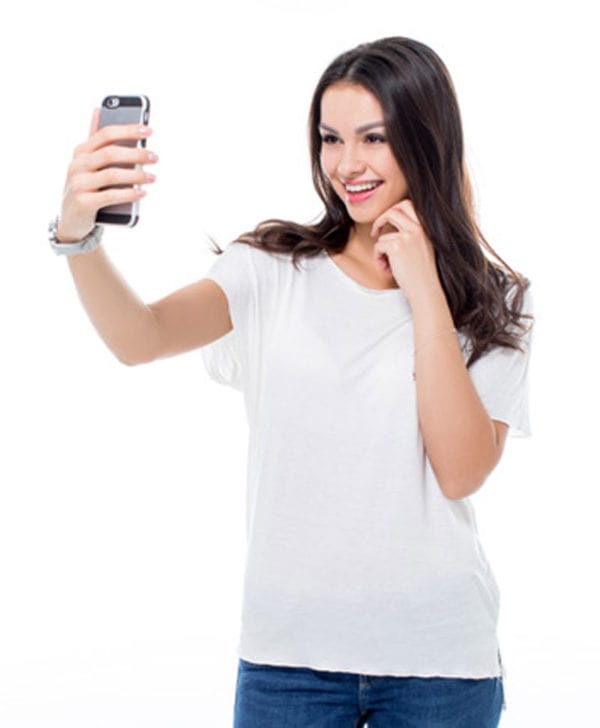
{"x": 446, "y": 331}
{"x": 85, "y": 245}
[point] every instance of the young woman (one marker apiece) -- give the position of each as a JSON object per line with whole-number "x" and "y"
{"x": 383, "y": 358}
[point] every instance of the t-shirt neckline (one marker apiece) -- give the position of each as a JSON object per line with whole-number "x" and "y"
{"x": 358, "y": 286}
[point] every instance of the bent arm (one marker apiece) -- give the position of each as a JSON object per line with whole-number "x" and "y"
{"x": 462, "y": 442}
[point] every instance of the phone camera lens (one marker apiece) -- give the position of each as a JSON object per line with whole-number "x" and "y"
{"x": 112, "y": 102}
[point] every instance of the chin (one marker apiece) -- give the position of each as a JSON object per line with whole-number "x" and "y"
{"x": 364, "y": 220}
{"x": 364, "y": 217}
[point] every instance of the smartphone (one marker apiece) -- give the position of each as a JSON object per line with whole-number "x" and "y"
{"x": 123, "y": 110}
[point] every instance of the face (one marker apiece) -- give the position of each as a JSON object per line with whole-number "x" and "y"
{"x": 355, "y": 151}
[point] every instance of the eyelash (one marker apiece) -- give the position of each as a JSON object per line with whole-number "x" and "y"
{"x": 373, "y": 137}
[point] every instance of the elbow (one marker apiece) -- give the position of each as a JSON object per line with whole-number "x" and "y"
{"x": 463, "y": 485}
{"x": 132, "y": 353}
{"x": 466, "y": 478}
{"x": 460, "y": 489}
{"x": 127, "y": 362}
{"x": 133, "y": 361}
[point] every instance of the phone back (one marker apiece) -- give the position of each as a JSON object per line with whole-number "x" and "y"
{"x": 123, "y": 110}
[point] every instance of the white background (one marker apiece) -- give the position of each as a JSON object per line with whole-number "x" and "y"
{"x": 122, "y": 490}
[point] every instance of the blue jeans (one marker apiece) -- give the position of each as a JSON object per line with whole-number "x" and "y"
{"x": 268, "y": 696}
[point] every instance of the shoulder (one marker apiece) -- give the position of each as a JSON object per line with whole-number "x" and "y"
{"x": 265, "y": 258}
{"x": 240, "y": 248}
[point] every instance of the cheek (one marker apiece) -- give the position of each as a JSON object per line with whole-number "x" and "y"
{"x": 326, "y": 164}
{"x": 389, "y": 166}
{"x": 398, "y": 176}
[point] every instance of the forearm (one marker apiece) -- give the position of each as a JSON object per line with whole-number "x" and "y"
{"x": 458, "y": 433}
{"x": 124, "y": 322}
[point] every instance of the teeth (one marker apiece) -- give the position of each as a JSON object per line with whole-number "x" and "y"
{"x": 362, "y": 188}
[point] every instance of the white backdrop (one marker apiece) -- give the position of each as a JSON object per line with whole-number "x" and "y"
{"x": 122, "y": 490}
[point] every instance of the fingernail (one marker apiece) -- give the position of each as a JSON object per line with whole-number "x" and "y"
{"x": 145, "y": 130}
{"x": 152, "y": 157}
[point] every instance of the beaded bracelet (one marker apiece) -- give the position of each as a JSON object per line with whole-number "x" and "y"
{"x": 447, "y": 331}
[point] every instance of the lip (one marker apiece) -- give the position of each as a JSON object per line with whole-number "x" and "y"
{"x": 355, "y": 197}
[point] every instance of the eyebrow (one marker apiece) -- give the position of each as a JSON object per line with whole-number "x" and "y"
{"x": 359, "y": 130}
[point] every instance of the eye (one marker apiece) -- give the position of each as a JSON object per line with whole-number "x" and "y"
{"x": 328, "y": 138}
{"x": 376, "y": 138}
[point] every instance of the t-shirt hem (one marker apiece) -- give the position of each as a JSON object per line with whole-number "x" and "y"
{"x": 458, "y": 674}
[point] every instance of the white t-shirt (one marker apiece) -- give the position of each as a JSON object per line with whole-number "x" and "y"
{"x": 356, "y": 561}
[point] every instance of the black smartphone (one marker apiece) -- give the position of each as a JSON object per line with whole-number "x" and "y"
{"x": 123, "y": 110}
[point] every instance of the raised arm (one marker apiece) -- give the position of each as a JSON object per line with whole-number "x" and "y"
{"x": 134, "y": 331}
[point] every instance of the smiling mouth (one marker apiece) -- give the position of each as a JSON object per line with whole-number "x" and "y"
{"x": 365, "y": 193}
{"x": 362, "y": 187}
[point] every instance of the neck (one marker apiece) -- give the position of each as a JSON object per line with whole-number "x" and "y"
{"x": 360, "y": 243}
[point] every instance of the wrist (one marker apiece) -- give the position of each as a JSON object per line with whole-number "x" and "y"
{"x": 431, "y": 338}
{"x": 68, "y": 245}
{"x": 426, "y": 297}
{"x": 73, "y": 235}
{"x": 430, "y": 314}
{"x": 66, "y": 239}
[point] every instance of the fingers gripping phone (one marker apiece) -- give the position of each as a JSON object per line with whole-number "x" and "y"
{"x": 123, "y": 110}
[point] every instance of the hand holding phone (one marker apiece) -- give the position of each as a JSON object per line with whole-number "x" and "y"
{"x": 105, "y": 174}
{"x": 123, "y": 110}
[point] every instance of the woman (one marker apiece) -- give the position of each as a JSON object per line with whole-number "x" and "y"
{"x": 383, "y": 358}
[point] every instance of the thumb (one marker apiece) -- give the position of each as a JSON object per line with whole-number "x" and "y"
{"x": 94, "y": 126}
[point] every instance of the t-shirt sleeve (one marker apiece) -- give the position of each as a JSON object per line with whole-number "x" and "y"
{"x": 501, "y": 378}
{"x": 233, "y": 272}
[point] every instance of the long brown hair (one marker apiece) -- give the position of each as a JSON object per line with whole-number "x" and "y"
{"x": 424, "y": 129}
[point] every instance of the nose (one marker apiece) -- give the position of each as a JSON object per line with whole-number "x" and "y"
{"x": 350, "y": 162}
